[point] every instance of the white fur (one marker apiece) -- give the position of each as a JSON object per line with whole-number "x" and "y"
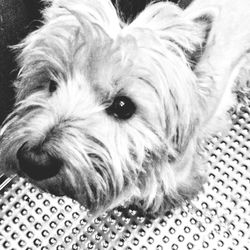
{"x": 154, "y": 158}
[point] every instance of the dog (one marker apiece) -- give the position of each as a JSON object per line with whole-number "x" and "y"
{"x": 110, "y": 113}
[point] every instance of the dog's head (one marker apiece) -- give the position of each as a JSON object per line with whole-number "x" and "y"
{"x": 107, "y": 111}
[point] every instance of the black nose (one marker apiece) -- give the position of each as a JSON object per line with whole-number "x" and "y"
{"x": 37, "y": 164}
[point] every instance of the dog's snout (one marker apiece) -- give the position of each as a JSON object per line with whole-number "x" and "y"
{"x": 38, "y": 164}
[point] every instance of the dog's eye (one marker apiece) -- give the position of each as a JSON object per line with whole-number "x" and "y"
{"x": 52, "y": 86}
{"x": 122, "y": 108}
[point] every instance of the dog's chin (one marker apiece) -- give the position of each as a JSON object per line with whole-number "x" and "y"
{"x": 60, "y": 186}
{"x": 55, "y": 186}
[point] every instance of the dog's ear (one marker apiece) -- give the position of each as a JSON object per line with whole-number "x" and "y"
{"x": 101, "y": 13}
{"x": 188, "y": 30}
{"x": 203, "y": 20}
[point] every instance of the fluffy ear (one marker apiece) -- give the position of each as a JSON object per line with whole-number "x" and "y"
{"x": 202, "y": 16}
{"x": 98, "y": 12}
{"x": 187, "y": 29}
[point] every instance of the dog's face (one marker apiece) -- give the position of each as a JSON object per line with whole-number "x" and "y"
{"x": 106, "y": 112}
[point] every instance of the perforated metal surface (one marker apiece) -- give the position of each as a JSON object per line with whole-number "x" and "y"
{"x": 219, "y": 218}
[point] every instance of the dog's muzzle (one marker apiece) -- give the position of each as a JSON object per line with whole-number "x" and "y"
{"x": 37, "y": 163}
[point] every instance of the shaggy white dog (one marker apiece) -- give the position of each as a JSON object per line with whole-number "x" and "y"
{"x": 108, "y": 112}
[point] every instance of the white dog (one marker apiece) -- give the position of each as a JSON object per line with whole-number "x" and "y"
{"x": 108, "y": 112}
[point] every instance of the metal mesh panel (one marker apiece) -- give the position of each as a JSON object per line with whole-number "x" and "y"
{"x": 219, "y": 218}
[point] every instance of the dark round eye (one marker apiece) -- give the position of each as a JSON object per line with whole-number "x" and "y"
{"x": 122, "y": 108}
{"x": 52, "y": 86}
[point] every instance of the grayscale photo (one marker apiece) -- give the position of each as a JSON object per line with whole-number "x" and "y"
{"x": 125, "y": 124}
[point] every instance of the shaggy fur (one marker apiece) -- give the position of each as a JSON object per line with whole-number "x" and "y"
{"x": 178, "y": 68}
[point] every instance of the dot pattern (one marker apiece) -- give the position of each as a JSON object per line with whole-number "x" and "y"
{"x": 218, "y": 218}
